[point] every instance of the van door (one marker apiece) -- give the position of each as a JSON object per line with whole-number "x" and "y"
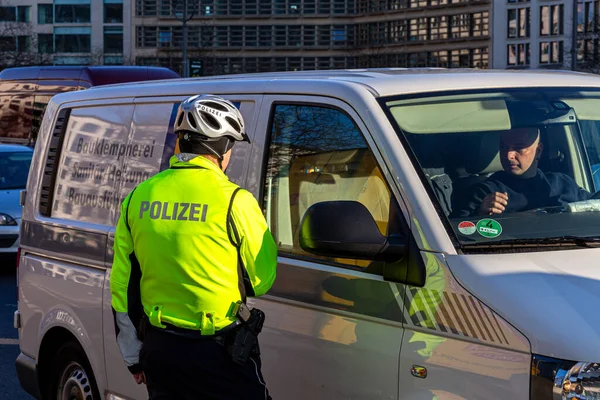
{"x": 333, "y": 326}
{"x": 153, "y": 142}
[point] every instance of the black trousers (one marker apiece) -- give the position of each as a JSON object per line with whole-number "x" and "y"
{"x": 181, "y": 368}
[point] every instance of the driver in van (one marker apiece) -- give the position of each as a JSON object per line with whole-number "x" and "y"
{"x": 521, "y": 186}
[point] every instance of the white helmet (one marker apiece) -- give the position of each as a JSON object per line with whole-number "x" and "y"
{"x": 212, "y": 117}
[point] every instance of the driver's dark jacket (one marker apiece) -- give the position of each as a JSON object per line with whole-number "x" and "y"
{"x": 541, "y": 190}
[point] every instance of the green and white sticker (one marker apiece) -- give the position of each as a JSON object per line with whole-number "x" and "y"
{"x": 489, "y": 228}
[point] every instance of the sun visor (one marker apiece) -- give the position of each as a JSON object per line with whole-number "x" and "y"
{"x": 586, "y": 109}
{"x": 453, "y": 117}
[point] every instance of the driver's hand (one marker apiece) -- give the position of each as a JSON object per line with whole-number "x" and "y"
{"x": 494, "y": 203}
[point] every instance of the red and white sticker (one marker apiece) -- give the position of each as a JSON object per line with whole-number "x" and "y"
{"x": 467, "y": 228}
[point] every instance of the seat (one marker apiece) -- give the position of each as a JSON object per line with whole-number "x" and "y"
{"x": 478, "y": 158}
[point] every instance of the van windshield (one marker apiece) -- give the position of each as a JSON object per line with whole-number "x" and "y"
{"x": 14, "y": 169}
{"x": 505, "y": 167}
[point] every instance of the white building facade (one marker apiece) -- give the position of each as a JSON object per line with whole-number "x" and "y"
{"x": 541, "y": 34}
{"x": 66, "y": 32}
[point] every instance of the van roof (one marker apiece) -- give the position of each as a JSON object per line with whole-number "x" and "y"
{"x": 380, "y": 82}
{"x": 99, "y": 75}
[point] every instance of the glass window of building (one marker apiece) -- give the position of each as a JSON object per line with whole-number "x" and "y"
{"x": 251, "y": 36}
{"x": 587, "y": 16}
{"x": 23, "y": 43}
{"x": 113, "y": 11}
{"x": 251, "y": 7}
{"x": 551, "y": 20}
{"x": 67, "y": 13}
{"x": 236, "y": 36}
{"x": 113, "y": 39}
{"x": 309, "y": 7}
{"x": 45, "y": 14}
{"x": 280, "y": 35}
{"x": 265, "y": 36}
{"x": 309, "y": 35}
{"x": 324, "y": 7}
{"x": 45, "y": 43}
{"x": 72, "y": 40}
{"x": 323, "y": 35}
{"x": 145, "y": 8}
{"x": 512, "y": 23}
{"x": 295, "y": 35}
{"x": 264, "y": 7}
{"x": 524, "y": 22}
{"x": 518, "y": 54}
{"x": 8, "y": 14}
{"x": 8, "y": 43}
{"x": 24, "y": 13}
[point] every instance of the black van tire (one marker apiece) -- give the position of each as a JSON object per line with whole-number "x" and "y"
{"x": 71, "y": 376}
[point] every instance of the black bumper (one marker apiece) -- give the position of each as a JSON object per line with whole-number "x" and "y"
{"x": 27, "y": 374}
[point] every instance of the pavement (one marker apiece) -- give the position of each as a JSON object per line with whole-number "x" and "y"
{"x": 9, "y": 345}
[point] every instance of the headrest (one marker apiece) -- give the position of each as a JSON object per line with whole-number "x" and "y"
{"x": 483, "y": 156}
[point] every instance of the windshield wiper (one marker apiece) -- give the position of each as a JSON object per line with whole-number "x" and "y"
{"x": 556, "y": 241}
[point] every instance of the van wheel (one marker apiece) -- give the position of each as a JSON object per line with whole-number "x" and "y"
{"x": 72, "y": 378}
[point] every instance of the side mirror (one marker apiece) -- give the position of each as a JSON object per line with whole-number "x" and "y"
{"x": 346, "y": 229}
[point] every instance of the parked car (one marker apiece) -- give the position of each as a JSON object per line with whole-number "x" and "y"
{"x": 381, "y": 291}
{"x": 14, "y": 169}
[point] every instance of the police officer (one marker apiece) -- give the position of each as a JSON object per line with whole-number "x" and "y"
{"x": 190, "y": 246}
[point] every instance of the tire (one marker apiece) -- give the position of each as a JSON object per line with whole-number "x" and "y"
{"x": 71, "y": 376}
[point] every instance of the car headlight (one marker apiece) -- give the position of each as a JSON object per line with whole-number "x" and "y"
{"x": 553, "y": 379}
{"x": 7, "y": 220}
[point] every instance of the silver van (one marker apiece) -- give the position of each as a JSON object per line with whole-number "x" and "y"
{"x": 393, "y": 282}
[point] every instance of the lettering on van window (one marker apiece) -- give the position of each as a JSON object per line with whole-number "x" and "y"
{"x": 107, "y": 199}
{"x": 107, "y": 173}
{"x": 103, "y": 147}
{"x": 173, "y": 212}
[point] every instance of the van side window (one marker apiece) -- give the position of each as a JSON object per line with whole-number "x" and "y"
{"x": 91, "y": 164}
{"x": 318, "y": 154}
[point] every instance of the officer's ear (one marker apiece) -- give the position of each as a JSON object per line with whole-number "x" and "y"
{"x": 538, "y": 151}
{"x": 225, "y": 160}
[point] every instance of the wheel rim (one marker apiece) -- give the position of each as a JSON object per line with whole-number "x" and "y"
{"x": 74, "y": 384}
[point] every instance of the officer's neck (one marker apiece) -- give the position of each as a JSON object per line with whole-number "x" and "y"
{"x": 215, "y": 160}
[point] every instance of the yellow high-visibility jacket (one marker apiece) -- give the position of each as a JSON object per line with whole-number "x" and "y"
{"x": 189, "y": 245}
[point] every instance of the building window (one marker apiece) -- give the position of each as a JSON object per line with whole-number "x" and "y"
{"x": 8, "y": 43}
{"x": 45, "y": 14}
{"x": 551, "y": 20}
{"x": 587, "y": 16}
{"x": 438, "y": 29}
{"x": 146, "y": 36}
{"x": 113, "y": 39}
{"x": 460, "y": 26}
{"x": 66, "y": 13}
{"x": 24, "y": 14}
{"x": 45, "y": 43}
{"x": 72, "y": 40}
{"x": 113, "y": 11}
{"x": 23, "y": 43}
{"x": 8, "y": 14}
{"x": 551, "y": 52}
{"x": 481, "y": 24}
{"x": 518, "y": 54}
{"x": 587, "y": 51}
{"x": 113, "y": 60}
{"x": 145, "y": 8}
{"x": 519, "y": 22}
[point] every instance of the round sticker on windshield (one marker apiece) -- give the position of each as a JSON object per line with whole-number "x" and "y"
{"x": 466, "y": 228}
{"x": 489, "y": 228}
